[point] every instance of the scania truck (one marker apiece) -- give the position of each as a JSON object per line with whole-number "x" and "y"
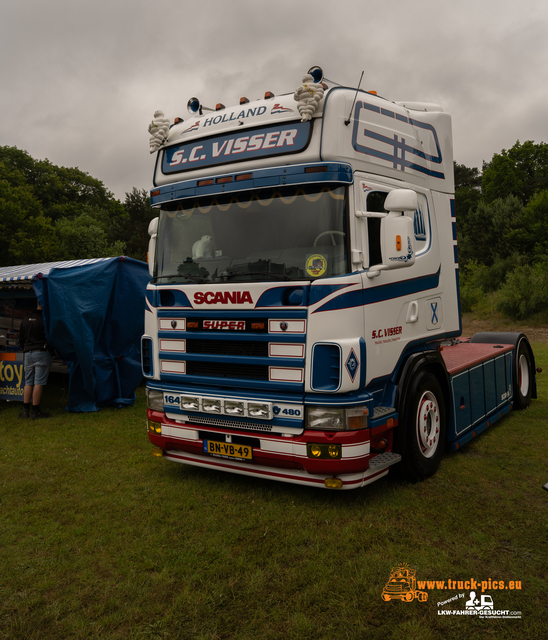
{"x": 303, "y": 320}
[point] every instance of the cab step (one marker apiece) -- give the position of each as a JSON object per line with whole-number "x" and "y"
{"x": 381, "y": 412}
{"x": 384, "y": 460}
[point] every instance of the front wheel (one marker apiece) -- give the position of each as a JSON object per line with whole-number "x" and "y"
{"x": 424, "y": 426}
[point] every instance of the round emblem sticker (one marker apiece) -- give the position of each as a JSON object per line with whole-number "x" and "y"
{"x": 316, "y": 265}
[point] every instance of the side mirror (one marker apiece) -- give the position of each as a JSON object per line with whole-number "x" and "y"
{"x": 397, "y": 232}
{"x": 153, "y": 233}
{"x": 401, "y": 200}
{"x": 397, "y": 241}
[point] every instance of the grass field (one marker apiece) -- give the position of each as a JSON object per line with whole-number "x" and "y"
{"x": 98, "y": 539}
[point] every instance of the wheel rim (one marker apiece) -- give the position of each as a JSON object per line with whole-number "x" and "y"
{"x": 428, "y": 424}
{"x": 523, "y": 375}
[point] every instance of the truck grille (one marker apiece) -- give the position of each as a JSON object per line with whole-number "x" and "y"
{"x": 231, "y": 424}
{"x": 253, "y": 349}
{"x": 234, "y": 348}
{"x": 227, "y": 370}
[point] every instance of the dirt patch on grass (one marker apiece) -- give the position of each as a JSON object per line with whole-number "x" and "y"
{"x": 472, "y": 324}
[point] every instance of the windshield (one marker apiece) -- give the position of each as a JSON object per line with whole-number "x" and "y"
{"x": 287, "y": 233}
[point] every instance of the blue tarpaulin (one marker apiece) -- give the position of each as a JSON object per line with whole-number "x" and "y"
{"x": 94, "y": 318}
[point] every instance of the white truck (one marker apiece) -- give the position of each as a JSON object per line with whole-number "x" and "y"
{"x": 303, "y": 320}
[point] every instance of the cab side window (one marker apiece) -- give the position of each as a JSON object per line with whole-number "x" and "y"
{"x": 375, "y": 202}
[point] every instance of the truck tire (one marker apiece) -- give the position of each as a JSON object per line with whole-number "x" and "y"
{"x": 424, "y": 427}
{"x": 523, "y": 375}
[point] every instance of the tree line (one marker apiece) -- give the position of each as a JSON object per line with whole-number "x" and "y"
{"x": 50, "y": 213}
{"x": 502, "y": 232}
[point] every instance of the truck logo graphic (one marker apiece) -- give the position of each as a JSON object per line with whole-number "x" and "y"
{"x": 409, "y": 255}
{"x": 394, "y": 149}
{"x": 222, "y": 297}
{"x": 402, "y": 585}
{"x": 278, "y": 108}
{"x": 352, "y": 364}
{"x": 434, "y": 306}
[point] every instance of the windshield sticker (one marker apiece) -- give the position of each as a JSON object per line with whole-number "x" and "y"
{"x": 316, "y": 265}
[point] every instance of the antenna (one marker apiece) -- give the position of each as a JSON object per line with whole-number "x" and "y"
{"x": 347, "y": 122}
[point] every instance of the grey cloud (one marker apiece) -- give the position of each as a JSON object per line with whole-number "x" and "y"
{"x": 83, "y": 79}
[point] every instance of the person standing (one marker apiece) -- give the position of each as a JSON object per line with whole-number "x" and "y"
{"x": 38, "y": 359}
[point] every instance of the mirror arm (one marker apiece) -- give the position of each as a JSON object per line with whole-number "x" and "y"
{"x": 375, "y": 270}
{"x": 370, "y": 214}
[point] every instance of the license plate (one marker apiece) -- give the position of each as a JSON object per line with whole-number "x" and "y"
{"x": 228, "y": 450}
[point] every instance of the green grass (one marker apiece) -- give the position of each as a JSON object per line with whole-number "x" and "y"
{"x": 98, "y": 539}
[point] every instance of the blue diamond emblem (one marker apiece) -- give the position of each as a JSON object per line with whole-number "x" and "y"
{"x": 352, "y": 364}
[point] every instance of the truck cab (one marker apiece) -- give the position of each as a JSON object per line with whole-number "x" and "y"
{"x": 304, "y": 285}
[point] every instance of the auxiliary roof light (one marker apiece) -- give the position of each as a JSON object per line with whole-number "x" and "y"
{"x": 316, "y": 73}
{"x": 195, "y": 107}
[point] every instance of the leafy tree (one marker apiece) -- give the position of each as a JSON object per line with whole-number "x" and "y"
{"x": 530, "y": 236}
{"x": 27, "y": 235}
{"x": 467, "y": 193}
{"x": 466, "y": 177}
{"x": 37, "y": 202}
{"x": 525, "y": 292}
{"x": 83, "y": 237}
{"x": 140, "y": 213}
{"x": 520, "y": 171}
{"x": 114, "y": 221}
{"x": 488, "y": 233}
{"x": 62, "y": 191}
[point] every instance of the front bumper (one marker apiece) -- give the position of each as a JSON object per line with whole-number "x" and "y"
{"x": 279, "y": 457}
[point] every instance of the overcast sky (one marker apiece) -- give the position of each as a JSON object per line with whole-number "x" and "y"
{"x": 80, "y": 80}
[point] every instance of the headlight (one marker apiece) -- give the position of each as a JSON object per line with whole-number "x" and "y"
{"x": 155, "y": 400}
{"x": 321, "y": 418}
{"x": 336, "y": 419}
